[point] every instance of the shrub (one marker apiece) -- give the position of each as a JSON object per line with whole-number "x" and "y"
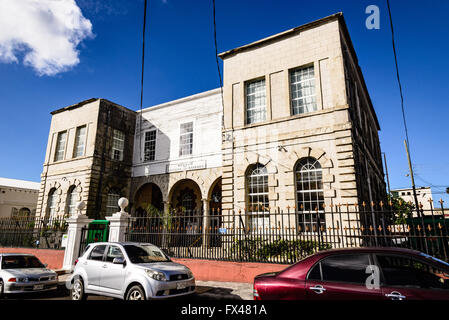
{"x": 261, "y": 250}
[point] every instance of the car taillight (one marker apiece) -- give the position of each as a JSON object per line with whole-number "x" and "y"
{"x": 12, "y": 280}
{"x": 76, "y": 261}
{"x": 256, "y": 294}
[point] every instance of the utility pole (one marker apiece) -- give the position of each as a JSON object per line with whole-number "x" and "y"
{"x": 413, "y": 179}
{"x": 386, "y": 172}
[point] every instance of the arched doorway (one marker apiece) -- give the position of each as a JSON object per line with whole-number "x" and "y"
{"x": 186, "y": 213}
{"x": 149, "y": 213}
{"x": 215, "y": 214}
{"x": 148, "y": 201}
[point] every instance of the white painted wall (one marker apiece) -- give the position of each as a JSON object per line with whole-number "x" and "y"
{"x": 204, "y": 110}
{"x": 424, "y": 194}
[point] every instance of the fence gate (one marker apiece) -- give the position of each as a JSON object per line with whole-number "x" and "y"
{"x": 97, "y": 231}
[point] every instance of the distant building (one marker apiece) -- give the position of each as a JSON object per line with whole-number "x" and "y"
{"x": 18, "y": 198}
{"x": 424, "y": 195}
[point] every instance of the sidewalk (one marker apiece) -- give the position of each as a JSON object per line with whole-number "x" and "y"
{"x": 225, "y": 290}
{"x": 209, "y": 289}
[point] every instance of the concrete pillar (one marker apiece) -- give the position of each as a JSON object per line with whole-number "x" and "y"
{"x": 167, "y": 207}
{"x": 206, "y": 222}
{"x": 76, "y": 223}
{"x": 118, "y": 222}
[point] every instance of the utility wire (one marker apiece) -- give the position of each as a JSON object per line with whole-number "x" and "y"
{"x": 407, "y": 144}
{"x": 141, "y": 81}
{"x": 397, "y": 75}
{"x": 216, "y": 58}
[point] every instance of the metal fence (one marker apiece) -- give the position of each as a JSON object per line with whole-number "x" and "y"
{"x": 32, "y": 232}
{"x": 287, "y": 236}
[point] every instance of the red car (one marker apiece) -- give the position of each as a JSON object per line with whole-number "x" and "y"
{"x": 358, "y": 274}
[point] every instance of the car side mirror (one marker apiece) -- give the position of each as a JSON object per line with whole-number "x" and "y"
{"x": 45, "y": 265}
{"x": 119, "y": 261}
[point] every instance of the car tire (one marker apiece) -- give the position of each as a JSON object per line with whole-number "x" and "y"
{"x": 2, "y": 288}
{"x": 135, "y": 293}
{"x": 77, "y": 292}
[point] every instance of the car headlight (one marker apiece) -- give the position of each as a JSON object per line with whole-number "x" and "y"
{"x": 189, "y": 274}
{"x": 52, "y": 278}
{"x": 159, "y": 276}
{"x": 22, "y": 279}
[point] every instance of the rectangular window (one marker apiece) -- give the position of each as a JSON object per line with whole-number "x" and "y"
{"x": 348, "y": 268}
{"x": 80, "y": 140}
{"x": 186, "y": 139}
{"x": 97, "y": 253}
{"x": 114, "y": 252}
{"x": 149, "y": 147}
{"x": 256, "y": 106}
{"x": 302, "y": 88}
{"x": 112, "y": 203}
{"x": 118, "y": 145}
{"x": 60, "y": 145}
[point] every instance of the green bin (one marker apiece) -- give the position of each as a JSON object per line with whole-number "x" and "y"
{"x": 98, "y": 231}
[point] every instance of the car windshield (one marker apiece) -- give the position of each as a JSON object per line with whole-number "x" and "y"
{"x": 145, "y": 253}
{"x": 18, "y": 262}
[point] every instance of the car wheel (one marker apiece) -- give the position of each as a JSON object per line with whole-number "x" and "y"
{"x": 77, "y": 291}
{"x": 135, "y": 293}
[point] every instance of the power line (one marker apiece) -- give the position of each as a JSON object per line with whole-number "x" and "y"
{"x": 397, "y": 74}
{"x": 429, "y": 183}
{"x": 406, "y": 141}
{"x": 141, "y": 81}
{"x": 216, "y": 57}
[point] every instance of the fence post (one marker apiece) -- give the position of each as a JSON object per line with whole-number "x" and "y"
{"x": 206, "y": 222}
{"x": 118, "y": 222}
{"x": 76, "y": 223}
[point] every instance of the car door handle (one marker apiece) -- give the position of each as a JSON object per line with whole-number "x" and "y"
{"x": 105, "y": 266}
{"x": 318, "y": 289}
{"x": 395, "y": 296}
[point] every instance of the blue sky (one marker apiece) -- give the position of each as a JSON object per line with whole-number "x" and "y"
{"x": 180, "y": 61}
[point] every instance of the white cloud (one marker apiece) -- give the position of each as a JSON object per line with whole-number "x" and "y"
{"x": 45, "y": 32}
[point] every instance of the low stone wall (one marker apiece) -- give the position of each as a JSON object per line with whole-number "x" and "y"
{"x": 54, "y": 258}
{"x": 204, "y": 270}
{"x": 212, "y": 270}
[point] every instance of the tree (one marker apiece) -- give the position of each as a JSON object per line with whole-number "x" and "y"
{"x": 400, "y": 209}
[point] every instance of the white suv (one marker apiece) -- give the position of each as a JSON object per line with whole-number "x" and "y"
{"x": 130, "y": 271}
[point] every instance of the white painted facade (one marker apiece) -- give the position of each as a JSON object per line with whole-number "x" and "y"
{"x": 424, "y": 195}
{"x": 204, "y": 110}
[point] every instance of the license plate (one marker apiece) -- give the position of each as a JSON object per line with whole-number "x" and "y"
{"x": 38, "y": 287}
{"x": 181, "y": 285}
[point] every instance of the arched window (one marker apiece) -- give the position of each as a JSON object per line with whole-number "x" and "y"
{"x": 72, "y": 198}
{"x": 309, "y": 193}
{"x": 51, "y": 204}
{"x": 257, "y": 195}
{"x": 112, "y": 203}
{"x": 24, "y": 213}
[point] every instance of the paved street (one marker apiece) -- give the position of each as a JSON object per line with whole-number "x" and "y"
{"x": 206, "y": 290}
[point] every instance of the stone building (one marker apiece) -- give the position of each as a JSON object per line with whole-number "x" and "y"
{"x": 298, "y": 130}
{"x": 18, "y": 198}
{"x": 88, "y": 157}
{"x": 299, "y": 126}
